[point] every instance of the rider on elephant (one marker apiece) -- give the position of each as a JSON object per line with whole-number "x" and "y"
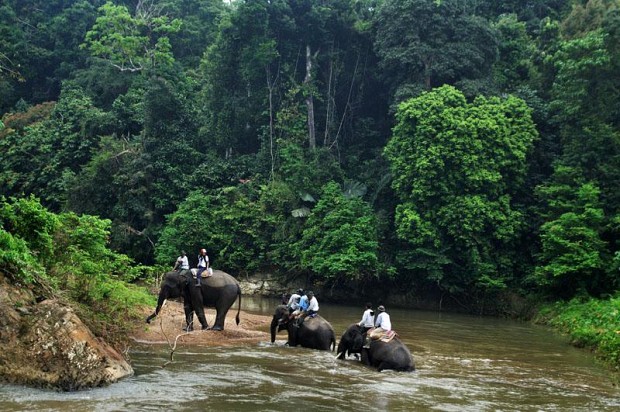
{"x": 303, "y": 305}
{"x": 293, "y": 302}
{"x": 203, "y": 264}
{"x": 182, "y": 262}
{"x": 383, "y": 324}
{"x": 313, "y": 307}
{"x": 368, "y": 319}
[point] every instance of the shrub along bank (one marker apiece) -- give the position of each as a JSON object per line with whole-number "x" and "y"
{"x": 593, "y": 324}
{"x": 65, "y": 256}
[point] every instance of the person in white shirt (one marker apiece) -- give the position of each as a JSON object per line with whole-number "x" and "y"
{"x": 203, "y": 264}
{"x": 382, "y": 324}
{"x": 313, "y": 304}
{"x": 368, "y": 319}
{"x": 313, "y": 307}
{"x": 293, "y": 302}
{"x": 182, "y": 262}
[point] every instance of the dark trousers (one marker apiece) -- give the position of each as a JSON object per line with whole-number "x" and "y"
{"x": 199, "y": 275}
{"x": 301, "y": 319}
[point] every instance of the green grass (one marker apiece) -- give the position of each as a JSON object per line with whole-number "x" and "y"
{"x": 592, "y": 324}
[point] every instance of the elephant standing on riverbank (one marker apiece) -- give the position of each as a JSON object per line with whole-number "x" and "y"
{"x": 381, "y": 355}
{"x": 219, "y": 291}
{"x": 314, "y": 332}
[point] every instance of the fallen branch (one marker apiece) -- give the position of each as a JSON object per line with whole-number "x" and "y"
{"x": 172, "y": 347}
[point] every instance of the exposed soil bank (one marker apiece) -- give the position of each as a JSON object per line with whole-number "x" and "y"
{"x": 46, "y": 344}
{"x": 167, "y": 328}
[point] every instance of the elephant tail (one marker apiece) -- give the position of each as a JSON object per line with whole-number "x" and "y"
{"x": 239, "y": 308}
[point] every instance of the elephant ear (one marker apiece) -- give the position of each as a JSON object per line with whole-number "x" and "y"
{"x": 170, "y": 279}
{"x": 281, "y": 312}
{"x": 355, "y": 330}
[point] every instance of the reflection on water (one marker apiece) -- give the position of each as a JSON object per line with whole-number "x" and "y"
{"x": 464, "y": 364}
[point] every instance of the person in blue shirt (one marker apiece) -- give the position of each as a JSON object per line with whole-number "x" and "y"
{"x": 303, "y": 306}
{"x": 293, "y": 302}
{"x": 303, "y": 303}
{"x": 310, "y": 307}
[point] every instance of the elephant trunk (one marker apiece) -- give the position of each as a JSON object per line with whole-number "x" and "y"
{"x": 274, "y": 325}
{"x": 341, "y": 350}
{"x": 160, "y": 302}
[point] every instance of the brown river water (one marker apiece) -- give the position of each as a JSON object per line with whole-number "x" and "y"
{"x": 464, "y": 363}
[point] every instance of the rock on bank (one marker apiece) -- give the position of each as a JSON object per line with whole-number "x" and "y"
{"x": 45, "y": 344}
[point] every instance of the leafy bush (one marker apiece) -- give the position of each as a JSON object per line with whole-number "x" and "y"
{"x": 457, "y": 168}
{"x": 27, "y": 219}
{"x": 70, "y": 252}
{"x": 87, "y": 267}
{"x": 339, "y": 240}
{"x": 593, "y": 324}
{"x": 279, "y": 202}
{"x": 16, "y": 259}
{"x": 227, "y": 222}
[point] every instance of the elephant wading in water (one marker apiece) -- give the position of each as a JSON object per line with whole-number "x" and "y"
{"x": 219, "y": 291}
{"x": 381, "y": 355}
{"x": 314, "y": 333}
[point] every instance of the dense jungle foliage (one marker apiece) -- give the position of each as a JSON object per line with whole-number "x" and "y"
{"x": 66, "y": 256}
{"x": 460, "y": 149}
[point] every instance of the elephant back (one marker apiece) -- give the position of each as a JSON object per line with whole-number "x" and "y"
{"x": 394, "y": 353}
{"x": 315, "y": 333}
{"x": 316, "y": 322}
{"x": 220, "y": 279}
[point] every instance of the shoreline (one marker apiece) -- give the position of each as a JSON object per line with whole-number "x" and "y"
{"x": 167, "y": 328}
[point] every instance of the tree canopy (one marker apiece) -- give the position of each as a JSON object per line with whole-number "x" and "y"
{"x": 456, "y": 147}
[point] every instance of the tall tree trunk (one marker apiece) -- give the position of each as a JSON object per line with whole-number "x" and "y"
{"x": 310, "y": 100}
{"x": 428, "y": 66}
{"x": 330, "y": 99}
{"x": 347, "y": 107}
{"x": 270, "y": 86}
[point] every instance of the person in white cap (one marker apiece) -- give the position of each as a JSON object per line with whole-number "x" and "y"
{"x": 382, "y": 324}
{"x": 203, "y": 264}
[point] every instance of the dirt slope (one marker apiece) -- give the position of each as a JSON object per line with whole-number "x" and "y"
{"x": 166, "y": 327}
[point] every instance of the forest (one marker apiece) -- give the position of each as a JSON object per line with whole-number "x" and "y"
{"x": 461, "y": 150}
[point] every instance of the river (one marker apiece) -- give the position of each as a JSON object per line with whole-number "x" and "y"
{"x": 464, "y": 363}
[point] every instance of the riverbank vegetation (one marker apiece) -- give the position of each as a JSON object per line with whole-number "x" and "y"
{"x": 590, "y": 323}
{"x": 463, "y": 150}
{"x": 66, "y": 256}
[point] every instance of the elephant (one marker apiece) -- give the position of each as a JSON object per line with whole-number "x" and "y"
{"x": 314, "y": 332}
{"x": 219, "y": 290}
{"x": 380, "y": 355}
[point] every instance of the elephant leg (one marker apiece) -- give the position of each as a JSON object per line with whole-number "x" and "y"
{"x": 201, "y": 317}
{"x": 384, "y": 365}
{"x": 365, "y": 357}
{"x": 189, "y": 318}
{"x": 220, "y": 318}
{"x": 223, "y": 304}
{"x": 198, "y": 305}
